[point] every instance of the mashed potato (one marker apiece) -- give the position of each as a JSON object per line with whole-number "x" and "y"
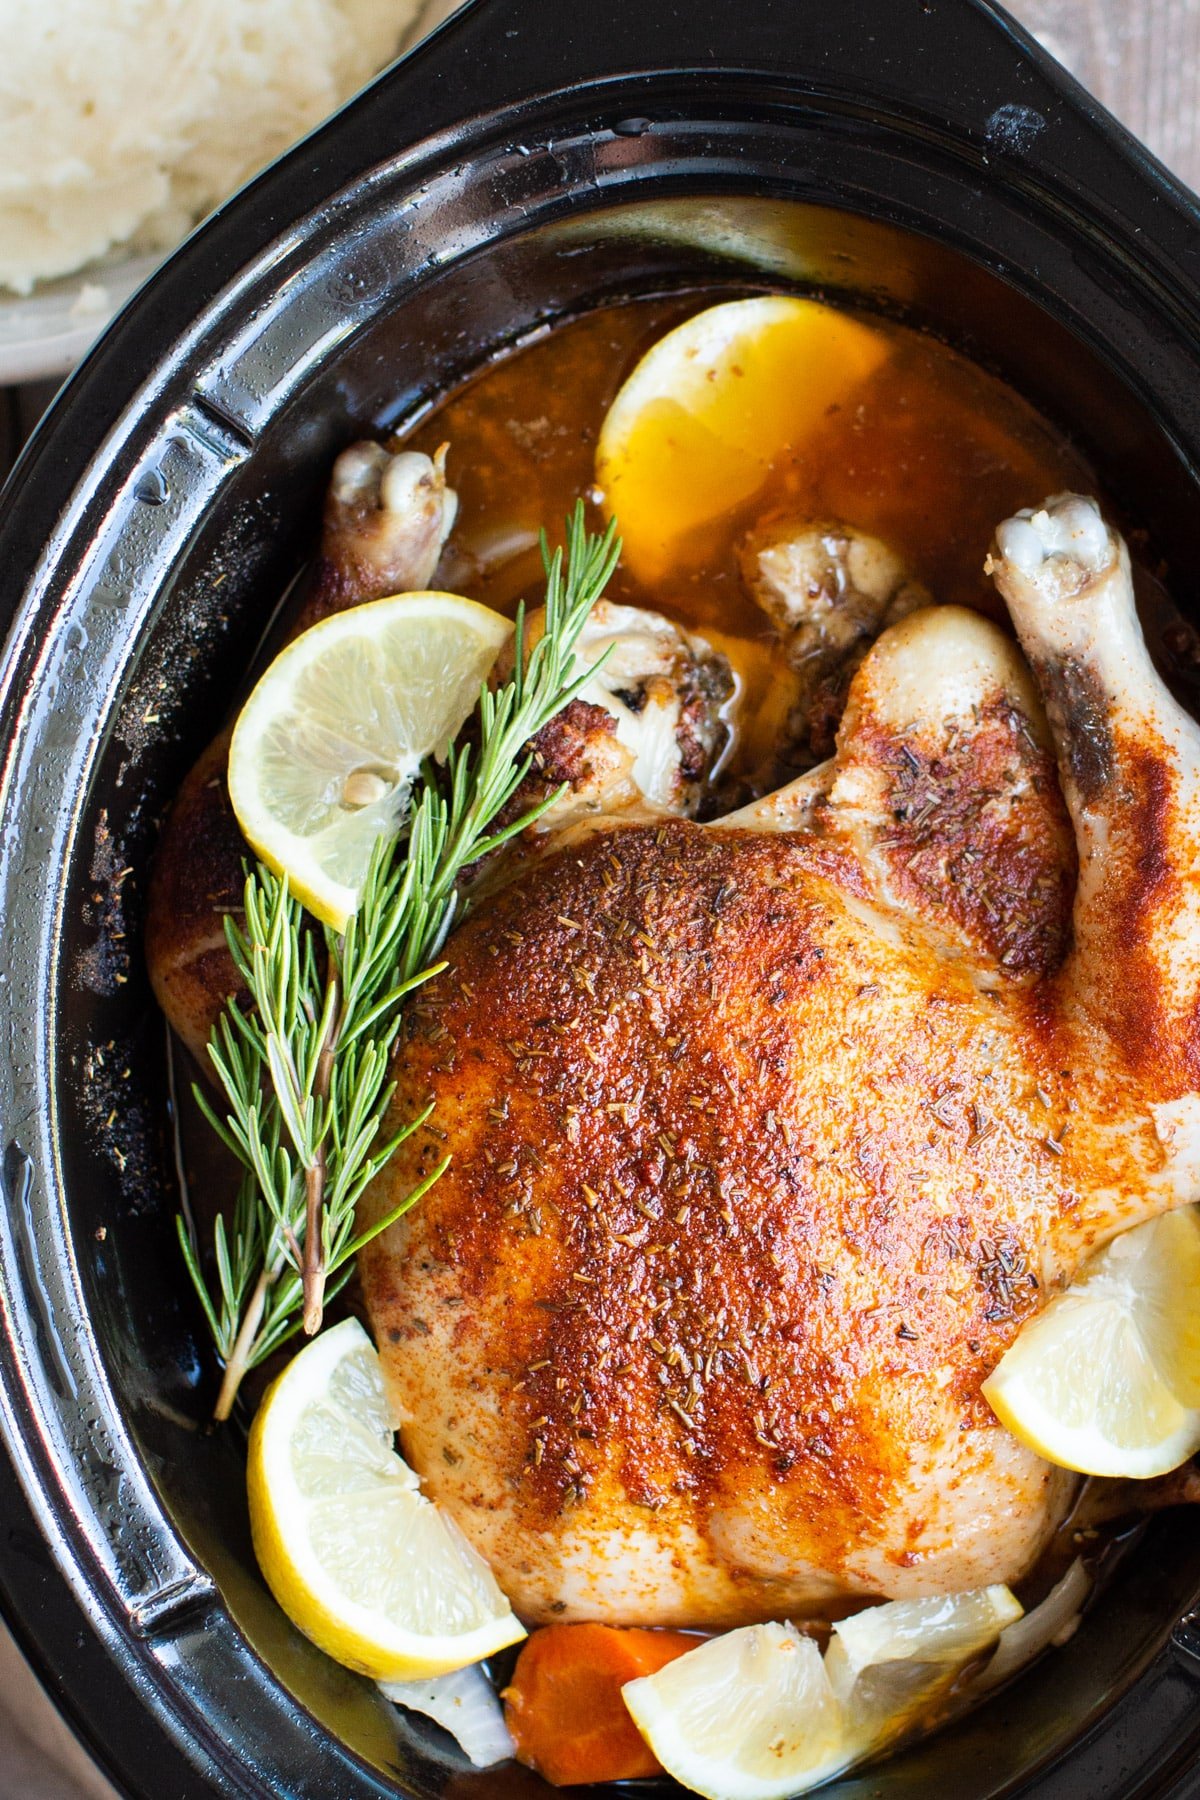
{"x": 126, "y": 120}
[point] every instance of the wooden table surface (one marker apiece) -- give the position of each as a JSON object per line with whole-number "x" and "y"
{"x": 1143, "y": 61}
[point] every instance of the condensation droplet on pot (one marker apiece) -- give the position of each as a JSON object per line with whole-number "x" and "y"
{"x": 152, "y": 487}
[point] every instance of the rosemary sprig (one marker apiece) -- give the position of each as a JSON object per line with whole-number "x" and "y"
{"x": 303, "y": 1067}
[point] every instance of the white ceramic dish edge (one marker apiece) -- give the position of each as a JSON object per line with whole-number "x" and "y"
{"x": 45, "y": 333}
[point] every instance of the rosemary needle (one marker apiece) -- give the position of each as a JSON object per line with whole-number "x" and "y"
{"x": 302, "y": 1064}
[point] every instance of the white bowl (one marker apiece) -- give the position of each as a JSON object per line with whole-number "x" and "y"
{"x": 46, "y": 332}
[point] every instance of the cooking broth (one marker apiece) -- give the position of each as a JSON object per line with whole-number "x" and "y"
{"x": 932, "y": 453}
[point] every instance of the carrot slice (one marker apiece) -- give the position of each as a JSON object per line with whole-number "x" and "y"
{"x": 564, "y": 1705}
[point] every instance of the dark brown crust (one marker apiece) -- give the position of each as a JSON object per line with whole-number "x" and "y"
{"x": 577, "y": 748}
{"x": 816, "y": 725}
{"x": 563, "y": 749}
{"x": 1080, "y": 708}
{"x": 701, "y": 734}
{"x": 981, "y": 836}
{"x": 1147, "y": 860}
{"x": 1145, "y": 880}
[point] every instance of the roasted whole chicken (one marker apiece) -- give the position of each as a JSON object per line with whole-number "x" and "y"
{"x": 768, "y": 1133}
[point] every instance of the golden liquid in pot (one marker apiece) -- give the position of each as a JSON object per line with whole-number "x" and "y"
{"x": 932, "y": 454}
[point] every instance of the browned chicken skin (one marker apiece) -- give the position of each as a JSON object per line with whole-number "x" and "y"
{"x": 768, "y": 1135}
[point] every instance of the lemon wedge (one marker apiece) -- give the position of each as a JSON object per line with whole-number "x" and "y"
{"x": 711, "y": 409}
{"x": 1107, "y": 1379}
{"x": 748, "y": 1716}
{"x": 759, "y": 1714}
{"x": 359, "y": 1560}
{"x": 888, "y": 1664}
{"x": 325, "y": 749}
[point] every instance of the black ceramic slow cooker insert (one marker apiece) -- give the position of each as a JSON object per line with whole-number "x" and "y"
{"x": 532, "y": 159}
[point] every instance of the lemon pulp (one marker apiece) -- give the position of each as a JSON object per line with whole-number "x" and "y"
{"x": 1107, "y": 1378}
{"x": 759, "y": 1714}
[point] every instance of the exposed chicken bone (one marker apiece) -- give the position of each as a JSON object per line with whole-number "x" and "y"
{"x": 829, "y": 590}
{"x": 387, "y": 516}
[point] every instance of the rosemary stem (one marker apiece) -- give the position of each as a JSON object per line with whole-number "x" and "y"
{"x": 313, "y": 1275}
{"x": 235, "y": 1368}
{"x": 314, "y": 1249}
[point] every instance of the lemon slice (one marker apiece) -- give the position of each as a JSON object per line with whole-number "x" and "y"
{"x": 758, "y": 1714}
{"x": 359, "y": 1560}
{"x": 325, "y": 749}
{"x": 1107, "y": 1379}
{"x": 711, "y": 409}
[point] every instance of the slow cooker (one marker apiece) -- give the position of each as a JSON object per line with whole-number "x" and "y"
{"x": 530, "y": 160}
